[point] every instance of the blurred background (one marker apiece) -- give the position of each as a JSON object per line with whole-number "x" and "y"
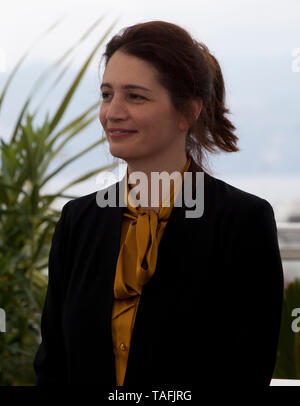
{"x": 52, "y": 146}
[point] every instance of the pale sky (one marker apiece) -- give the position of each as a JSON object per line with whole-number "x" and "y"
{"x": 249, "y": 23}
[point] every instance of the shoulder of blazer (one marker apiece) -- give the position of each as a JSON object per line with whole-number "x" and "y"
{"x": 220, "y": 198}
{"x": 226, "y": 197}
{"x": 85, "y": 209}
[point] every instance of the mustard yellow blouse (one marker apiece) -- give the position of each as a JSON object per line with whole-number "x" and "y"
{"x": 141, "y": 233}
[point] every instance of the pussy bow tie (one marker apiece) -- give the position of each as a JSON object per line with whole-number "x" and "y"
{"x": 138, "y": 252}
{"x": 146, "y": 228}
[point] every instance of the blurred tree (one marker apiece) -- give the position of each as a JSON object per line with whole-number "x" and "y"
{"x": 27, "y": 219}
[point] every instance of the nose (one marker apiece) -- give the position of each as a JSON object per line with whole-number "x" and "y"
{"x": 116, "y": 110}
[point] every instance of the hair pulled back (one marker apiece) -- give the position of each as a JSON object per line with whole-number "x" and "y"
{"x": 188, "y": 71}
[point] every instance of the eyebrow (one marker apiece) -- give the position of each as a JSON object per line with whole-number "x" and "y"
{"x": 129, "y": 86}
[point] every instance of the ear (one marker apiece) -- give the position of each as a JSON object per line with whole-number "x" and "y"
{"x": 196, "y": 106}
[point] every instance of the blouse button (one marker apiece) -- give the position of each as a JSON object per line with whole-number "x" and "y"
{"x": 144, "y": 265}
{"x": 122, "y": 347}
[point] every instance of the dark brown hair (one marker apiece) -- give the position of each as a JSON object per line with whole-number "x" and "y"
{"x": 188, "y": 71}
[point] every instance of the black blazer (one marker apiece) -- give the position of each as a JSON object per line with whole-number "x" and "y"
{"x": 210, "y": 314}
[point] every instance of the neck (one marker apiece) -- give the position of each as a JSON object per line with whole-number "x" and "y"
{"x": 147, "y": 166}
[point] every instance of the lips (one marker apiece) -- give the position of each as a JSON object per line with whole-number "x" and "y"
{"x": 120, "y": 132}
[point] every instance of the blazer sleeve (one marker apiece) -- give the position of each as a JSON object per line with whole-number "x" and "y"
{"x": 50, "y": 360}
{"x": 257, "y": 268}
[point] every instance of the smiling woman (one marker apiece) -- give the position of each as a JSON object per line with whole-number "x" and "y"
{"x": 142, "y": 128}
{"x": 179, "y": 101}
{"x": 146, "y": 294}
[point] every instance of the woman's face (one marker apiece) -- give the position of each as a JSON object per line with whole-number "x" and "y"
{"x": 159, "y": 129}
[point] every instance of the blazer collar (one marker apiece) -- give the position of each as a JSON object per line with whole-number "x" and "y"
{"x": 192, "y": 192}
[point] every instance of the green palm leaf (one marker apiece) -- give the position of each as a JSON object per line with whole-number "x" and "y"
{"x": 23, "y": 57}
{"x": 61, "y": 109}
{"x": 27, "y": 217}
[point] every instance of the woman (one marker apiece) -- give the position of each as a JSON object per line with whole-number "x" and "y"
{"x": 144, "y": 293}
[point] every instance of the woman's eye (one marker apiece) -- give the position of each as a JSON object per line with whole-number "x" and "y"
{"x": 137, "y": 95}
{"x": 133, "y": 95}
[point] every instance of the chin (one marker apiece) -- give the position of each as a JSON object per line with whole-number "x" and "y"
{"x": 120, "y": 153}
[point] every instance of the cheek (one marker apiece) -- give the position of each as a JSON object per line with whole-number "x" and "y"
{"x": 101, "y": 115}
{"x": 159, "y": 125}
{"x": 150, "y": 121}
